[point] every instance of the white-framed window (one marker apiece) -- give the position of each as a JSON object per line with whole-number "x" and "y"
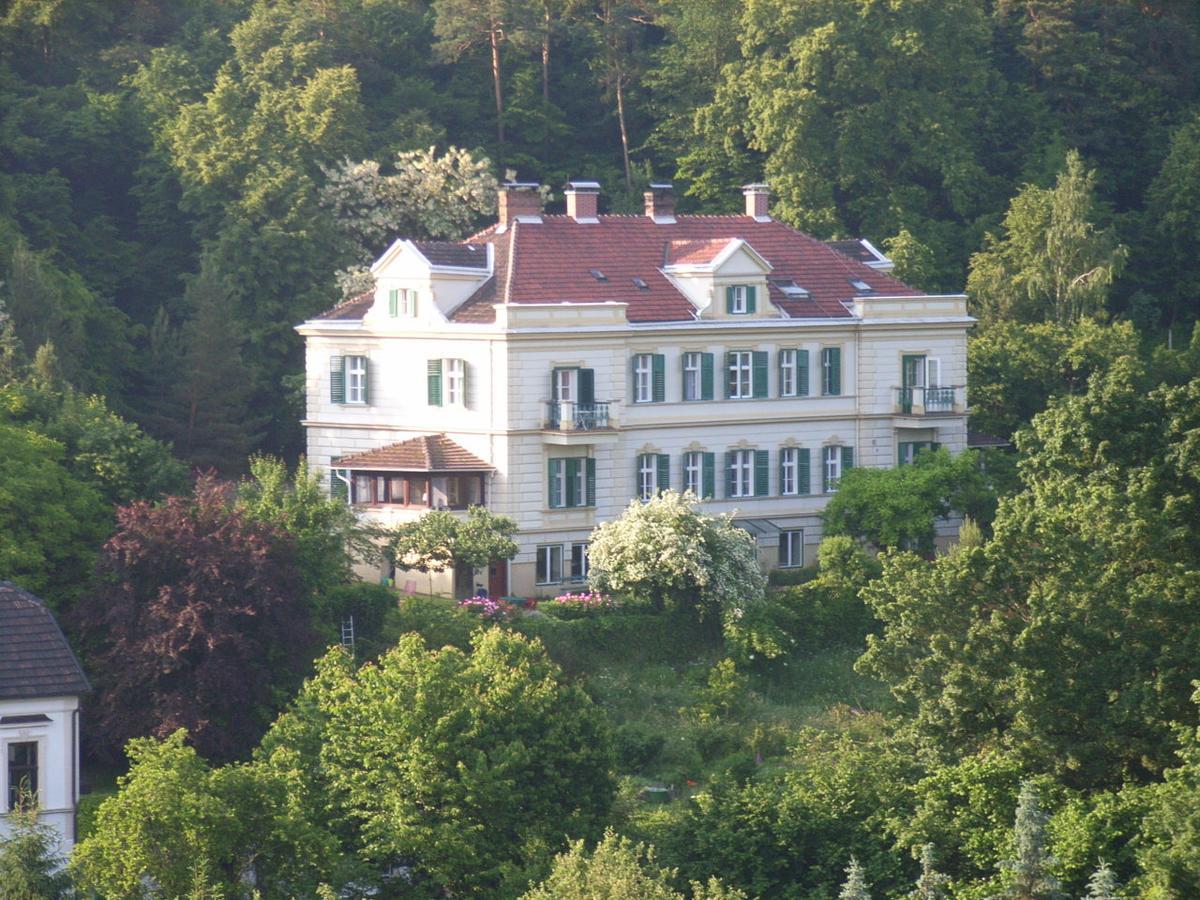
{"x": 833, "y": 467}
{"x": 356, "y": 379}
{"x": 741, "y": 473}
{"x": 21, "y": 761}
{"x": 568, "y": 482}
{"x": 691, "y": 376}
{"x": 643, "y": 378}
{"x": 791, "y": 548}
{"x": 787, "y": 373}
{"x": 738, "y": 301}
{"x": 566, "y": 385}
{"x": 402, "y": 302}
{"x": 456, "y": 382}
{"x": 789, "y": 470}
{"x": 647, "y": 475}
{"x": 693, "y": 473}
{"x": 741, "y": 374}
{"x": 579, "y": 562}
{"x": 550, "y": 564}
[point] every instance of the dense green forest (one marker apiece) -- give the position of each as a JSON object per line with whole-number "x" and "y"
{"x": 164, "y": 217}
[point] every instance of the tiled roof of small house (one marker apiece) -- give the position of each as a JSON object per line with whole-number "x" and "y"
{"x": 354, "y": 308}
{"x": 447, "y": 253}
{"x": 35, "y": 658}
{"x": 428, "y": 453}
{"x": 619, "y": 258}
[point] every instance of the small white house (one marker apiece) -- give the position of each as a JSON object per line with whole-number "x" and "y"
{"x": 40, "y": 686}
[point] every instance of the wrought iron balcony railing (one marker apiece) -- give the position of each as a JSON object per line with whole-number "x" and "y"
{"x": 569, "y": 415}
{"x": 923, "y": 401}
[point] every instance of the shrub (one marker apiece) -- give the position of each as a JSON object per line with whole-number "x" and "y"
{"x": 576, "y": 606}
{"x": 492, "y": 609}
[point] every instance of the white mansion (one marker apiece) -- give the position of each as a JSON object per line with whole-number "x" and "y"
{"x": 553, "y": 367}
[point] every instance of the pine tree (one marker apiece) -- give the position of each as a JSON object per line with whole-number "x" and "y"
{"x": 29, "y": 868}
{"x": 1103, "y": 883}
{"x": 1029, "y": 873}
{"x": 931, "y": 884}
{"x": 855, "y": 887}
{"x": 218, "y": 429}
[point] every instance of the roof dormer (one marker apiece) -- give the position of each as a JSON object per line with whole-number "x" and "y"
{"x": 419, "y": 283}
{"x": 724, "y": 278}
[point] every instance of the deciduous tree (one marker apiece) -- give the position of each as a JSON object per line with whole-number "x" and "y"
{"x": 198, "y": 620}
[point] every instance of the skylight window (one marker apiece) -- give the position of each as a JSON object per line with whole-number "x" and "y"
{"x": 598, "y": 275}
{"x": 790, "y": 289}
{"x": 640, "y": 284}
{"x": 861, "y": 286}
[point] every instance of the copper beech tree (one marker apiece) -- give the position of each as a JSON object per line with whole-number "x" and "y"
{"x": 198, "y": 620}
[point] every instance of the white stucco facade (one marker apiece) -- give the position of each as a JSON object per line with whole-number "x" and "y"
{"x": 51, "y": 725}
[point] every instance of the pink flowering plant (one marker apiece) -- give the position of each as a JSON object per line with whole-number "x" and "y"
{"x": 582, "y": 603}
{"x": 489, "y": 608}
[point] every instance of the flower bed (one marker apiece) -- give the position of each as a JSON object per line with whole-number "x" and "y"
{"x": 490, "y": 608}
{"x": 578, "y": 605}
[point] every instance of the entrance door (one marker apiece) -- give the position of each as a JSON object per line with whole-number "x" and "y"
{"x": 464, "y": 581}
{"x": 498, "y": 577}
{"x": 912, "y": 376}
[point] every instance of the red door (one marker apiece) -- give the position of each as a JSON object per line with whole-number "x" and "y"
{"x": 498, "y": 578}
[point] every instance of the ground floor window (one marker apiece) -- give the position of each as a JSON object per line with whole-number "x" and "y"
{"x": 791, "y": 548}
{"x": 579, "y": 562}
{"x": 22, "y": 773}
{"x": 550, "y": 564}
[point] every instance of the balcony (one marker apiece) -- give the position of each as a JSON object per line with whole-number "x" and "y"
{"x": 930, "y": 401}
{"x": 568, "y": 415}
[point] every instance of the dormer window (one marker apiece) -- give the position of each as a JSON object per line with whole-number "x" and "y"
{"x": 402, "y": 302}
{"x": 740, "y": 299}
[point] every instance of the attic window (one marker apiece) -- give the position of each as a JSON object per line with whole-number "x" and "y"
{"x": 640, "y": 284}
{"x": 861, "y": 286}
{"x": 790, "y": 289}
{"x": 598, "y": 275}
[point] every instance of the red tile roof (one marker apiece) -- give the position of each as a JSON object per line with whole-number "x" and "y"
{"x": 35, "y": 658}
{"x": 354, "y": 308}
{"x": 551, "y": 262}
{"x": 428, "y": 453}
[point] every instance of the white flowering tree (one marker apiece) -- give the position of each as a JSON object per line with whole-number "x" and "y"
{"x": 427, "y": 196}
{"x": 677, "y": 558}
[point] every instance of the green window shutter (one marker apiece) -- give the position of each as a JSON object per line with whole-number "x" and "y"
{"x": 587, "y": 385}
{"x": 901, "y": 451}
{"x": 759, "y": 372}
{"x": 572, "y": 498}
{"x": 338, "y": 489}
{"x": 633, "y": 363}
{"x": 394, "y": 302}
{"x": 466, "y": 383}
{"x": 589, "y": 476}
{"x": 729, "y": 300}
{"x": 337, "y": 379}
{"x": 366, "y": 381}
{"x": 762, "y": 473}
{"x": 706, "y": 376}
{"x": 637, "y": 476}
{"x": 847, "y": 460}
{"x": 434, "y": 380}
{"x": 832, "y": 364}
{"x": 552, "y": 490}
{"x": 658, "y": 378}
{"x": 412, "y": 303}
{"x": 751, "y": 298}
{"x": 683, "y": 376}
{"x": 801, "y": 373}
{"x": 803, "y": 471}
{"x": 664, "y": 471}
{"x": 729, "y": 457}
{"x": 934, "y": 446}
{"x": 708, "y": 470}
{"x": 728, "y": 374}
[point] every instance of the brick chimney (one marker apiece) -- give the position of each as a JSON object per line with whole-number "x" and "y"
{"x": 519, "y": 198}
{"x": 583, "y": 201}
{"x": 660, "y": 203}
{"x": 758, "y": 196}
